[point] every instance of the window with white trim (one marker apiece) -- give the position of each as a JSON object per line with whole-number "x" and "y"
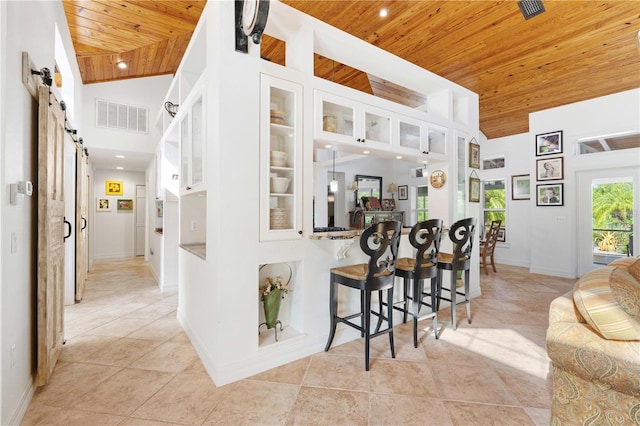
{"x": 422, "y": 203}
{"x": 494, "y": 205}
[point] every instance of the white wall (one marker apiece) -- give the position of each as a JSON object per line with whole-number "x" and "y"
{"x": 518, "y": 150}
{"x": 25, "y": 26}
{"x": 554, "y": 230}
{"x": 114, "y": 231}
{"x": 545, "y": 238}
{"x": 141, "y": 92}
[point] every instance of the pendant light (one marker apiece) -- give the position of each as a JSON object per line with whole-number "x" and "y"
{"x": 333, "y": 186}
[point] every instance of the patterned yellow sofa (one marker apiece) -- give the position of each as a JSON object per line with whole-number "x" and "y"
{"x": 593, "y": 342}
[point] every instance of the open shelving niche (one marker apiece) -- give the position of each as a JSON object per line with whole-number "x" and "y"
{"x": 290, "y": 309}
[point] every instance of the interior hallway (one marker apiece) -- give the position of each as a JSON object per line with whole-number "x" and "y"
{"x": 128, "y": 362}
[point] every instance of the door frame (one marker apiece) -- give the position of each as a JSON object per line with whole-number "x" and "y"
{"x": 584, "y": 243}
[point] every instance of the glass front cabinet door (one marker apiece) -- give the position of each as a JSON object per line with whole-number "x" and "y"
{"x": 280, "y": 159}
{"x": 192, "y": 137}
{"x": 342, "y": 120}
{"x": 413, "y": 134}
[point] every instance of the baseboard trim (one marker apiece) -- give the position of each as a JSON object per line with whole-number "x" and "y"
{"x": 21, "y": 409}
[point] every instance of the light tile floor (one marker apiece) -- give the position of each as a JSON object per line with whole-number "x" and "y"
{"x": 128, "y": 362}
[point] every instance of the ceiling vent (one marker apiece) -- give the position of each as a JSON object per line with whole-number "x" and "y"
{"x": 530, "y": 8}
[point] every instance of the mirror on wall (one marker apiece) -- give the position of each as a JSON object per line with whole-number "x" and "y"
{"x": 368, "y": 186}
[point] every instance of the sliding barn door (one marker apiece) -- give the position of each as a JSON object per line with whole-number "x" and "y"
{"x": 51, "y": 232}
{"x": 82, "y": 216}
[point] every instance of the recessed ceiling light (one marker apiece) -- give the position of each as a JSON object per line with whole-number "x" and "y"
{"x": 327, "y": 146}
{"x": 384, "y": 12}
{"x": 365, "y": 152}
{"x": 119, "y": 156}
{"x": 398, "y": 157}
{"x": 122, "y": 65}
{"x": 119, "y": 168}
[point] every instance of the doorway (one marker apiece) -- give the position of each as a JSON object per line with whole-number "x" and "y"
{"x": 141, "y": 208}
{"x": 608, "y": 208}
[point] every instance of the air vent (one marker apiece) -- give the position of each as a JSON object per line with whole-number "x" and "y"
{"x": 530, "y": 8}
{"x": 119, "y": 116}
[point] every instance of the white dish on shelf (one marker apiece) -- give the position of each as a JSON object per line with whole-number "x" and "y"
{"x": 279, "y": 185}
{"x": 278, "y": 158}
{"x": 277, "y": 218}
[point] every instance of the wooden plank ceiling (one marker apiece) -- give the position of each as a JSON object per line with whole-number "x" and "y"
{"x": 575, "y": 50}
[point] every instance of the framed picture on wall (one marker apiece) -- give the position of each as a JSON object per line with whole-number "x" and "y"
{"x": 474, "y": 190}
{"x": 520, "y": 187}
{"x": 502, "y": 235}
{"x": 549, "y": 143}
{"x": 474, "y": 155}
{"x": 403, "y": 192}
{"x": 125, "y": 204}
{"x": 550, "y": 194}
{"x": 102, "y": 205}
{"x": 550, "y": 168}
{"x": 114, "y": 187}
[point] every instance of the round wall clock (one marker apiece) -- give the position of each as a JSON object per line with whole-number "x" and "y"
{"x": 437, "y": 178}
{"x": 254, "y": 18}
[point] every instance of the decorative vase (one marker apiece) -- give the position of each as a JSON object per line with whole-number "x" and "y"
{"x": 272, "y": 308}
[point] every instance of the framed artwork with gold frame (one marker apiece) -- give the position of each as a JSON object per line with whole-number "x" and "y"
{"x": 474, "y": 155}
{"x": 125, "y": 204}
{"x": 474, "y": 190}
{"x": 114, "y": 187}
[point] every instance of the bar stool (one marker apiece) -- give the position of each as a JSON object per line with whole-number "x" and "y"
{"x": 425, "y": 237}
{"x": 380, "y": 242}
{"x": 461, "y": 235}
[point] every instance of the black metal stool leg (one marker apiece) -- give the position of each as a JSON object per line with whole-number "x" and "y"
{"x": 390, "y": 321}
{"x": 452, "y": 288}
{"x": 418, "y": 287}
{"x": 405, "y": 291}
{"x": 380, "y": 310}
{"x": 367, "y": 324}
{"x": 333, "y": 307}
{"x": 434, "y": 289}
{"x": 466, "y": 295}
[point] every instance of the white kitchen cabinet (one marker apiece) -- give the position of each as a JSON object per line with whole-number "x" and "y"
{"x": 421, "y": 137}
{"x": 413, "y": 134}
{"x": 437, "y": 140}
{"x": 341, "y": 120}
{"x": 280, "y": 159}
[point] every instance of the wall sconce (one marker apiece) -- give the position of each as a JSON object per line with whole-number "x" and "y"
{"x": 354, "y": 185}
{"x": 392, "y": 189}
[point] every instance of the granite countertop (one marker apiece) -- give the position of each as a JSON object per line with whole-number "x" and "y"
{"x": 344, "y": 235}
{"x": 197, "y": 249}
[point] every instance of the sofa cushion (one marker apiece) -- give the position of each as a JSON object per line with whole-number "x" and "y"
{"x": 609, "y": 300}
{"x": 631, "y": 264}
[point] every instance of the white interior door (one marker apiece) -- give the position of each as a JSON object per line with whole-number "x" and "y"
{"x": 140, "y": 209}
{"x": 586, "y": 181}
